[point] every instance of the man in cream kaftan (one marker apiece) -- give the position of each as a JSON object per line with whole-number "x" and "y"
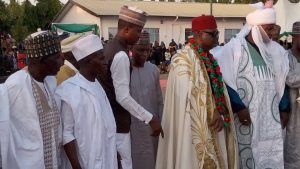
{"x": 189, "y": 110}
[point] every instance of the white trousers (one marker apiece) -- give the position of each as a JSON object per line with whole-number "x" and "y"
{"x": 124, "y": 149}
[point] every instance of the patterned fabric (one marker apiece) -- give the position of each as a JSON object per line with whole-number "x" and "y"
{"x": 49, "y": 122}
{"x": 42, "y": 44}
{"x": 144, "y": 38}
{"x": 133, "y": 15}
{"x": 261, "y": 144}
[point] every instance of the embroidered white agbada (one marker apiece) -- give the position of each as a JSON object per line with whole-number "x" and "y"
{"x": 189, "y": 143}
{"x": 28, "y": 105}
{"x": 260, "y": 87}
{"x": 88, "y": 119}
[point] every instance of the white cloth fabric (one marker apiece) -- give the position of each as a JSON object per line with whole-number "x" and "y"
{"x": 120, "y": 74}
{"x": 86, "y": 46}
{"x": 25, "y": 143}
{"x": 273, "y": 54}
{"x": 261, "y": 93}
{"x": 66, "y": 62}
{"x": 88, "y": 119}
{"x": 4, "y": 125}
{"x": 262, "y": 15}
{"x": 123, "y": 142}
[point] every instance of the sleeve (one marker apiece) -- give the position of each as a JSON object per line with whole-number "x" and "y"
{"x": 159, "y": 94}
{"x": 293, "y": 77}
{"x": 68, "y": 123}
{"x": 120, "y": 73}
{"x": 284, "y": 105}
{"x": 235, "y": 100}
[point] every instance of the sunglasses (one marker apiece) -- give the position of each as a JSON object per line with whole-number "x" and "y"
{"x": 214, "y": 34}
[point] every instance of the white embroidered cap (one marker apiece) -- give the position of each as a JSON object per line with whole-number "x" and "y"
{"x": 66, "y": 44}
{"x": 86, "y": 46}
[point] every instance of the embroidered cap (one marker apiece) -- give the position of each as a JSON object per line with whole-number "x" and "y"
{"x": 66, "y": 44}
{"x": 133, "y": 15}
{"x": 86, "y": 46}
{"x": 144, "y": 38}
{"x": 296, "y": 28}
{"x": 41, "y": 44}
{"x": 204, "y": 22}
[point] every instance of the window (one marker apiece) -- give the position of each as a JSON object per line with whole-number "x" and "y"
{"x": 229, "y": 33}
{"x": 188, "y": 32}
{"x": 112, "y": 32}
{"x": 153, "y": 33}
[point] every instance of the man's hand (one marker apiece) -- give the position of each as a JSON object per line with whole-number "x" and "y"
{"x": 217, "y": 123}
{"x": 284, "y": 119}
{"x": 156, "y": 127}
{"x": 244, "y": 117}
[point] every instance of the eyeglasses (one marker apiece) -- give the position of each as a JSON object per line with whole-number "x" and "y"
{"x": 214, "y": 34}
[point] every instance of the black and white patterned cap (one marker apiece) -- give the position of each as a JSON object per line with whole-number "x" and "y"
{"x": 42, "y": 44}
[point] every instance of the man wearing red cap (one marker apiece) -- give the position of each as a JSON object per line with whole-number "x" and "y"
{"x": 197, "y": 117}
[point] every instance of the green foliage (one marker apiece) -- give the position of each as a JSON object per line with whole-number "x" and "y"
{"x": 19, "y": 20}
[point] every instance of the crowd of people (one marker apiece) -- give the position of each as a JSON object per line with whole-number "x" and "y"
{"x": 84, "y": 105}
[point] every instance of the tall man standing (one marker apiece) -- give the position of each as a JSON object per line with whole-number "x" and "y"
{"x": 292, "y": 144}
{"x": 255, "y": 68}
{"x": 89, "y": 126}
{"x": 145, "y": 89}
{"x": 116, "y": 79}
{"x": 197, "y": 117}
{"x": 34, "y": 118}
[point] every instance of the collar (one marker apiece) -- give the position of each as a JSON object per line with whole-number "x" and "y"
{"x": 67, "y": 63}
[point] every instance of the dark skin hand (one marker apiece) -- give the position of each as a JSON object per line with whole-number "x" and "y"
{"x": 244, "y": 117}
{"x": 70, "y": 149}
{"x": 156, "y": 127}
{"x": 217, "y": 123}
{"x": 284, "y": 119}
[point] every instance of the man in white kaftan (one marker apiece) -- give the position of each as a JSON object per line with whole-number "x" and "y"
{"x": 88, "y": 120}
{"x": 255, "y": 68}
{"x": 33, "y": 130}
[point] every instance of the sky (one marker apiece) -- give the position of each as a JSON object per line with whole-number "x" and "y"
{"x": 7, "y": 1}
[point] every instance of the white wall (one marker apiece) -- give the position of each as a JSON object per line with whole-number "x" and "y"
{"x": 169, "y": 27}
{"x": 78, "y": 15}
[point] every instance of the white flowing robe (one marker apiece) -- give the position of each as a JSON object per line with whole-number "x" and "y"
{"x": 88, "y": 119}
{"x": 189, "y": 142}
{"x": 261, "y": 144}
{"x": 23, "y": 149}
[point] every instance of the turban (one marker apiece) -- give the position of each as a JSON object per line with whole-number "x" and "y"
{"x": 41, "y": 44}
{"x": 296, "y": 28}
{"x": 144, "y": 38}
{"x": 133, "y": 15}
{"x": 262, "y": 15}
{"x": 86, "y": 46}
{"x": 203, "y": 22}
{"x": 67, "y": 43}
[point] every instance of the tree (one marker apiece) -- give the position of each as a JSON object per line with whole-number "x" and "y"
{"x": 30, "y": 18}
{"x": 4, "y": 18}
{"x": 47, "y": 10}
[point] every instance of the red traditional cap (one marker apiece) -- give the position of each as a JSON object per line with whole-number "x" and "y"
{"x": 203, "y": 22}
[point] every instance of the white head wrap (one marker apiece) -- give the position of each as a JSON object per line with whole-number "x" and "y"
{"x": 273, "y": 54}
{"x": 86, "y": 46}
{"x": 261, "y": 15}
